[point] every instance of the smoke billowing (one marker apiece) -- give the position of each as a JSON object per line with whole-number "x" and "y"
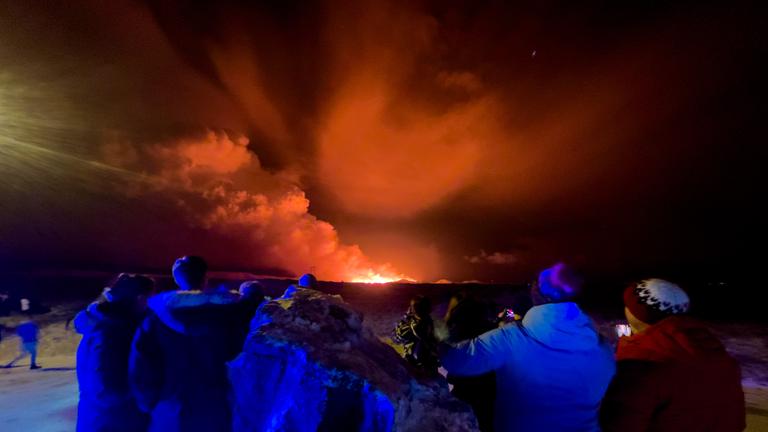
{"x": 220, "y": 186}
{"x": 290, "y": 136}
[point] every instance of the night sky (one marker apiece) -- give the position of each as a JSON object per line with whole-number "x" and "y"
{"x": 473, "y": 140}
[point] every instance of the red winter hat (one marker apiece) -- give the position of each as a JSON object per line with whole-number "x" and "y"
{"x": 652, "y": 300}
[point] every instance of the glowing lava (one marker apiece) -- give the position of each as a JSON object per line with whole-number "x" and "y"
{"x": 376, "y": 278}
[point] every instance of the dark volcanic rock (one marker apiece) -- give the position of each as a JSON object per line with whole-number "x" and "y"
{"x": 310, "y": 364}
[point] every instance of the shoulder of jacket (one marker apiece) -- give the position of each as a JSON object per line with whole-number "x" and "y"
{"x": 511, "y": 332}
{"x": 644, "y": 368}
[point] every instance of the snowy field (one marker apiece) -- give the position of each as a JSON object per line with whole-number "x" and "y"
{"x": 43, "y": 400}
{"x": 46, "y": 400}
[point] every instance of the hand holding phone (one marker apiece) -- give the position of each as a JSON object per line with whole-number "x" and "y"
{"x": 623, "y": 330}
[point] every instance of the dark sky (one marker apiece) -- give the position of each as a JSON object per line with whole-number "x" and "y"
{"x": 456, "y": 140}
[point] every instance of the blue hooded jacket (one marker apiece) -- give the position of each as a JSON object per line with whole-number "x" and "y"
{"x": 178, "y": 359}
{"x": 27, "y": 331}
{"x": 106, "y": 403}
{"x": 552, "y": 369}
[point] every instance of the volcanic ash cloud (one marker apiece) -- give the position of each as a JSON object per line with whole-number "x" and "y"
{"x": 219, "y": 185}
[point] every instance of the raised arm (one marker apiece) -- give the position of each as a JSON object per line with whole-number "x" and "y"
{"x": 479, "y": 355}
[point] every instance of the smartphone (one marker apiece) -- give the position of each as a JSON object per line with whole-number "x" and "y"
{"x": 623, "y": 330}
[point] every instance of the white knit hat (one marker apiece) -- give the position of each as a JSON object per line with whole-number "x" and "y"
{"x": 651, "y": 300}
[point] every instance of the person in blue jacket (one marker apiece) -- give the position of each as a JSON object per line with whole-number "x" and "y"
{"x": 28, "y": 332}
{"x": 108, "y": 325}
{"x": 552, "y": 368}
{"x": 179, "y": 354}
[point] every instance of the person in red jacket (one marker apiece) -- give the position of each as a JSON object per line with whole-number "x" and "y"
{"x": 672, "y": 374}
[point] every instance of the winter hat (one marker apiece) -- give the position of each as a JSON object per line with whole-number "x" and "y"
{"x": 189, "y": 272}
{"x": 128, "y": 287}
{"x": 251, "y": 289}
{"x": 559, "y": 283}
{"x": 421, "y": 305}
{"x": 652, "y": 300}
{"x": 308, "y": 281}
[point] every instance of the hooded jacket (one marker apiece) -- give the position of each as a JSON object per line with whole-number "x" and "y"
{"x": 675, "y": 376}
{"x": 552, "y": 369}
{"x": 27, "y": 332}
{"x": 178, "y": 359}
{"x": 106, "y": 403}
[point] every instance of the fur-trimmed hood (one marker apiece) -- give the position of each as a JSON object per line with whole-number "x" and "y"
{"x": 196, "y": 312}
{"x": 97, "y": 315}
{"x": 86, "y": 321}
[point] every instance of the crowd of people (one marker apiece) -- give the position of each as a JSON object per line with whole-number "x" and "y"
{"x": 158, "y": 361}
{"x": 553, "y": 371}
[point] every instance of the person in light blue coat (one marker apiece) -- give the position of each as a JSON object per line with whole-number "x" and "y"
{"x": 552, "y": 368}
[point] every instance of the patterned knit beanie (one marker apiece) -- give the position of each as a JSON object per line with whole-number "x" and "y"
{"x": 652, "y": 300}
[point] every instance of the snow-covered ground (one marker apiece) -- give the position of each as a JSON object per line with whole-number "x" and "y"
{"x": 42, "y": 400}
{"x": 749, "y": 344}
{"x": 45, "y": 400}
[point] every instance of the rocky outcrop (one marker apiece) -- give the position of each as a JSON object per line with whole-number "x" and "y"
{"x": 310, "y": 364}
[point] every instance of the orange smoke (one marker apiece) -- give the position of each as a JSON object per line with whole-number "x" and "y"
{"x": 383, "y": 151}
{"x": 221, "y": 186}
{"x": 396, "y": 165}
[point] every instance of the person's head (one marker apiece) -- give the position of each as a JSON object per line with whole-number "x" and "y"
{"x": 251, "y": 291}
{"x": 456, "y": 299}
{"x": 468, "y": 317}
{"x": 421, "y": 306}
{"x": 557, "y": 284}
{"x": 650, "y": 301}
{"x": 308, "y": 281}
{"x": 130, "y": 291}
{"x": 189, "y": 272}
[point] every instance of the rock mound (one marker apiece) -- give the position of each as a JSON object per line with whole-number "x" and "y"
{"x": 310, "y": 364}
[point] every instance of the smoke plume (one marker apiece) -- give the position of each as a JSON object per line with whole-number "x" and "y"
{"x": 424, "y": 132}
{"x": 219, "y": 185}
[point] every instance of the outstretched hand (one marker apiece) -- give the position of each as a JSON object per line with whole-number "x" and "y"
{"x": 441, "y": 331}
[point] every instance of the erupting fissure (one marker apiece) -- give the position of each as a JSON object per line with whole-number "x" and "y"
{"x": 371, "y": 277}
